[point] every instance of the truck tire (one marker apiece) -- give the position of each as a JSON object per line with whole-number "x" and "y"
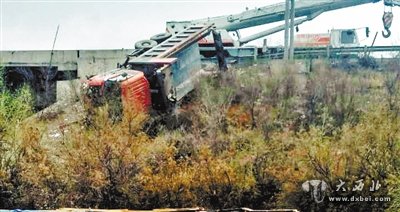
{"x": 145, "y": 44}
{"x": 159, "y": 38}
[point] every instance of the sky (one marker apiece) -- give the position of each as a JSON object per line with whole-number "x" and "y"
{"x": 88, "y": 24}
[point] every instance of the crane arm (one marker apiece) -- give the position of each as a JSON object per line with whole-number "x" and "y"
{"x": 276, "y": 12}
{"x": 276, "y": 29}
{"x": 392, "y": 3}
{"x": 307, "y": 9}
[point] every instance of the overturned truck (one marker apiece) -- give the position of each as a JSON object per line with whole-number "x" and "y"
{"x": 155, "y": 79}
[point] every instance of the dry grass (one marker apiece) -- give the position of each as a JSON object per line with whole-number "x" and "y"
{"x": 251, "y": 137}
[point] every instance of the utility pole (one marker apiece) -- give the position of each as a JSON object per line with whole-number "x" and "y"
{"x": 49, "y": 73}
{"x": 52, "y": 49}
{"x": 286, "y": 47}
{"x": 292, "y": 15}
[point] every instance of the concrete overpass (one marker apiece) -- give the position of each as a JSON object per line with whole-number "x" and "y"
{"x": 66, "y": 65}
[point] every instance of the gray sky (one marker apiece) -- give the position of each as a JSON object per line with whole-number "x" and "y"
{"x": 31, "y": 25}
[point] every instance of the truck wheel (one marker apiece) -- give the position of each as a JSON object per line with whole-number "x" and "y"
{"x": 159, "y": 38}
{"x": 145, "y": 44}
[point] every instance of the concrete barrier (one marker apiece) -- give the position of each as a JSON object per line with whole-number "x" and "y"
{"x": 84, "y": 62}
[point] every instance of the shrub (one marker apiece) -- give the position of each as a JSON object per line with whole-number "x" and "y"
{"x": 250, "y": 138}
{"x": 14, "y": 108}
{"x": 102, "y": 162}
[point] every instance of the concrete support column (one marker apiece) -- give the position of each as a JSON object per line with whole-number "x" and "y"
{"x": 286, "y": 46}
{"x": 292, "y": 15}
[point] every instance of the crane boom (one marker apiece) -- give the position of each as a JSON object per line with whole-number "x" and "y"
{"x": 307, "y": 9}
{"x": 392, "y": 3}
{"x": 276, "y": 12}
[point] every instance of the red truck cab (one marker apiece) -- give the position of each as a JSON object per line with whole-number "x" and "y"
{"x": 129, "y": 87}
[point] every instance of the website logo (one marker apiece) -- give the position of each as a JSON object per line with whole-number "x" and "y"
{"x": 316, "y": 188}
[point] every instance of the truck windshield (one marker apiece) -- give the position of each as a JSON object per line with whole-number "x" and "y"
{"x": 112, "y": 96}
{"x": 348, "y": 37}
{"x": 94, "y": 94}
{"x": 109, "y": 95}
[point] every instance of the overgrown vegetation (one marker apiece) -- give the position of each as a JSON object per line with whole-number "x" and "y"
{"x": 248, "y": 138}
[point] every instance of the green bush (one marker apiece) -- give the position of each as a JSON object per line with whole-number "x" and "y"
{"x": 14, "y": 108}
